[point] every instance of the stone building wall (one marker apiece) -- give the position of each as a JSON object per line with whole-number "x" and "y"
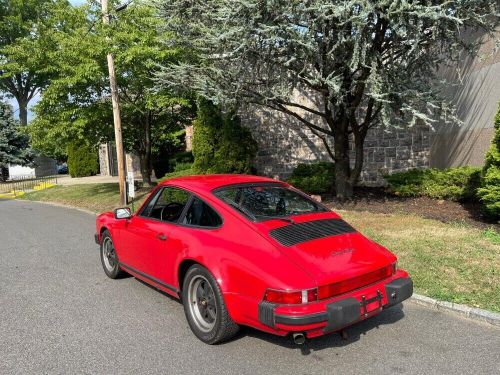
{"x": 474, "y": 89}
{"x": 284, "y": 143}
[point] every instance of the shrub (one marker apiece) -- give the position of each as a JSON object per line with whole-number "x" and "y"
{"x": 82, "y": 160}
{"x": 316, "y": 178}
{"x": 456, "y": 184}
{"x": 180, "y": 160}
{"x": 220, "y": 143}
{"x": 489, "y": 193}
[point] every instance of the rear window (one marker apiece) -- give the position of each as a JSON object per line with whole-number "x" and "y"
{"x": 261, "y": 202}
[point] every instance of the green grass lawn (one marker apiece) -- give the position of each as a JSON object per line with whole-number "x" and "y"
{"x": 93, "y": 197}
{"x": 449, "y": 262}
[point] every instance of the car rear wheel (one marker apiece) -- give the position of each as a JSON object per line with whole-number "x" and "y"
{"x": 109, "y": 259}
{"x": 204, "y": 307}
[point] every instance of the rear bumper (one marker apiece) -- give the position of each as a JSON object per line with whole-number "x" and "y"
{"x": 342, "y": 312}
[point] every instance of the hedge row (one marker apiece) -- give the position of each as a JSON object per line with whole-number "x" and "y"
{"x": 457, "y": 184}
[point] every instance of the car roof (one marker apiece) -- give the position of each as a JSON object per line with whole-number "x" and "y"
{"x": 213, "y": 181}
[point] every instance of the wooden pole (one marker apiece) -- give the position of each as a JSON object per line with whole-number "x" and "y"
{"x": 120, "y": 155}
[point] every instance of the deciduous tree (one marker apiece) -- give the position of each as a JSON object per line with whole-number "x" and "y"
{"x": 26, "y": 28}
{"x": 76, "y": 104}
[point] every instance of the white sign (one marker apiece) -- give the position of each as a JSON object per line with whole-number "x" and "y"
{"x": 131, "y": 187}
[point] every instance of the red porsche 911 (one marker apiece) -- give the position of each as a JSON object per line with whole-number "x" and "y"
{"x": 247, "y": 250}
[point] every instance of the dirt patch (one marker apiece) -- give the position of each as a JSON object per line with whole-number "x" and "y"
{"x": 377, "y": 200}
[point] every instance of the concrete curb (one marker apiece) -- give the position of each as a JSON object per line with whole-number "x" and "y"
{"x": 463, "y": 310}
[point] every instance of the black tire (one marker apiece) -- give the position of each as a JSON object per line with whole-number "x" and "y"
{"x": 110, "y": 262}
{"x": 221, "y": 327}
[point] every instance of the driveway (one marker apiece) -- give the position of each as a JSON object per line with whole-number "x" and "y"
{"x": 59, "y": 314}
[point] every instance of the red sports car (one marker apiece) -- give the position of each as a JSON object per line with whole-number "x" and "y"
{"x": 247, "y": 250}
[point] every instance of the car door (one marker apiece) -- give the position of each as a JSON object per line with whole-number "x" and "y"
{"x": 198, "y": 227}
{"x": 147, "y": 234}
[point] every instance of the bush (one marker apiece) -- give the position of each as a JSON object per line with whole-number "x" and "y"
{"x": 489, "y": 193}
{"x": 456, "y": 184}
{"x": 316, "y": 178}
{"x": 82, "y": 160}
{"x": 180, "y": 160}
{"x": 220, "y": 143}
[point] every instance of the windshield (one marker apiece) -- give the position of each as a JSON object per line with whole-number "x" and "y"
{"x": 261, "y": 202}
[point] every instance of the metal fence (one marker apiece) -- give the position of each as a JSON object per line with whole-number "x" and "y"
{"x": 25, "y": 183}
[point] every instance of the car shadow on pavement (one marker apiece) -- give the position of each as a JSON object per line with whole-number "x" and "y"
{"x": 332, "y": 340}
{"x": 354, "y": 332}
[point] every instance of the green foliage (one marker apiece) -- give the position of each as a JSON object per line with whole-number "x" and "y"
{"x": 180, "y": 173}
{"x": 14, "y": 147}
{"x": 360, "y": 64}
{"x": 76, "y": 104}
{"x": 456, "y": 184}
{"x": 27, "y": 30}
{"x": 220, "y": 143}
{"x": 316, "y": 178}
{"x": 489, "y": 193}
{"x": 82, "y": 160}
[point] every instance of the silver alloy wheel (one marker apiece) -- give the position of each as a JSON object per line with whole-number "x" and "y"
{"x": 108, "y": 254}
{"x": 202, "y": 307}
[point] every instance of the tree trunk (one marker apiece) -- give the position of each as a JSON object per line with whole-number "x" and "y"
{"x": 23, "y": 110}
{"x": 343, "y": 183}
{"x": 145, "y": 172}
{"x": 359, "y": 141}
{"x": 4, "y": 173}
{"x": 146, "y": 167}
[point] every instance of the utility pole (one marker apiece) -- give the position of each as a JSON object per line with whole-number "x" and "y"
{"x": 120, "y": 155}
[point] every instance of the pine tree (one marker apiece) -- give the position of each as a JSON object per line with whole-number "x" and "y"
{"x": 14, "y": 147}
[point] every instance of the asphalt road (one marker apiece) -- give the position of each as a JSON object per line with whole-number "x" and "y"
{"x": 59, "y": 314}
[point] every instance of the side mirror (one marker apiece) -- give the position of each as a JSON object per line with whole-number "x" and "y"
{"x": 123, "y": 213}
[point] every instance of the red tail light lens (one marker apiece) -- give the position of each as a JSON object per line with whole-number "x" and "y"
{"x": 331, "y": 290}
{"x": 297, "y": 297}
{"x": 285, "y": 297}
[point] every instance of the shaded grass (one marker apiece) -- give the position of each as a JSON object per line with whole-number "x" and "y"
{"x": 450, "y": 262}
{"x": 93, "y": 197}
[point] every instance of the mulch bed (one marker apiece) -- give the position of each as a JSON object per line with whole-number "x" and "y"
{"x": 377, "y": 200}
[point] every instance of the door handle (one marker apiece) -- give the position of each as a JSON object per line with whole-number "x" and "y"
{"x": 161, "y": 237}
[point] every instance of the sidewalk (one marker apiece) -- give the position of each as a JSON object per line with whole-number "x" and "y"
{"x": 67, "y": 180}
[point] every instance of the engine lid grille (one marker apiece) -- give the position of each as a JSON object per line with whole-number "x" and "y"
{"x": 294, "y": 234}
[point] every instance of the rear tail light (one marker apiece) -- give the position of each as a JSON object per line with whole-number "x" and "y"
{"x": 297, "y": 297}
{"x": 286, "y": 297}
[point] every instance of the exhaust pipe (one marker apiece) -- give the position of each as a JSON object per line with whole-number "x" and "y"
{"x": 299, "y": 338}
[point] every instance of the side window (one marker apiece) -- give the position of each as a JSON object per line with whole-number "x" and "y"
{"x": 167, "y": 205}
{"x": 201, "y": 215}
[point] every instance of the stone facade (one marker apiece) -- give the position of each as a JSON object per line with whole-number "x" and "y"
{"x": 386, "y": 151}
{"x": 108, "y": 165}
{"x": 283, "y": 142}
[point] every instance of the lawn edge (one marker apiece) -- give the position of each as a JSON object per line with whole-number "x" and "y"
{"x": 56, "y": 204}
{"x": 465, "y": 311}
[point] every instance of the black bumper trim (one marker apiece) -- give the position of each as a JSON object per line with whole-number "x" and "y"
{"x": 340, "y": 313}
{"x": 96, "y": 238}
{"x": 301, "y": 320}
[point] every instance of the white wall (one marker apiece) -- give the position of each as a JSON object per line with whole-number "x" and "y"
{"x": 16, "y": 171}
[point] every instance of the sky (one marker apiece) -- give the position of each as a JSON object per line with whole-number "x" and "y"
{"x": 35, "y": 99}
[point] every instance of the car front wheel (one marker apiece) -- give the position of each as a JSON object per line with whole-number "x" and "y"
{"x": 204, "y": 307}
{"x": 109, "y": 259}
